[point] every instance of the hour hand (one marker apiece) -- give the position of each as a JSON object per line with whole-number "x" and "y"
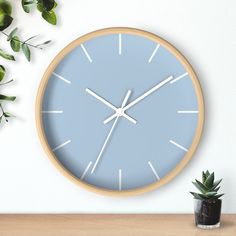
{"x": 101, "y": 99}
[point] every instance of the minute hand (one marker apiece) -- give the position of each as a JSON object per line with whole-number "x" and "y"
{"x": 162, "y": 83}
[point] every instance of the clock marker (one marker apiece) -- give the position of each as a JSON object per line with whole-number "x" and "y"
{"x": 61, "y": 78}
{"x": 61, "y": 145}
{"x": 52, "y": 112}
{"x": 86, "y": 53}
{"x": 178, "y": 78}
{"x": 120, "y": 44}
{"x": 120, "y": 179}
{"x": 153, "y": 170}
{"x": 86, "y": 170}
{"x": 187, "y": 112}
{"x": 153, "y": 53}
{"x": 179, "y": 146}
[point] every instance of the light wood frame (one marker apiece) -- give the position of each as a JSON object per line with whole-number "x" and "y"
{"x": 122, "y": 30}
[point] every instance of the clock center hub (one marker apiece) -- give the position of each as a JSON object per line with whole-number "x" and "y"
{"x": 120, "y": 112}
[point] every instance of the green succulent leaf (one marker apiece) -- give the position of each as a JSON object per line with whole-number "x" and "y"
{"x": 6, "y": 56}
{"x": 209, "y": 181}
{"x": 50, "y": 17}
{"x": 210, "y": 194}
{"x": 196, "y": 195}
{"x": 2, "y": 72}
{"x": 5, "y": 21}
{"x": 5, "y": 7}
{"x": 7, "y": 98}
{"x": 216, "y": 189}
{"x": 15, "y": 44}
{"x": 203, "y": 177}
{"x": 216, "y": 183}
{"x": 26, "y": 51}
{"x": 207, "y": 173}
{"x": 219, "y": 195}
{"x": 201, "y": 188}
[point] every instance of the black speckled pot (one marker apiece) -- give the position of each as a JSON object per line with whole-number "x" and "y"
{"x": 207, "y": 213}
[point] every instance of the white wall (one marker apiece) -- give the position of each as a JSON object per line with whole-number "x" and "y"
{"x": 205, "y": 32}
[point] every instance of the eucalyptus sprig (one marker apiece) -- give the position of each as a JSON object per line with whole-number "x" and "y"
{"x": 17, "y": 44}
{"x": 3, "y": 98}
{"x": 46, "y": 9}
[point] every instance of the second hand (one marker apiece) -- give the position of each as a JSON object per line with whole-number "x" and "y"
{"x": 110, "y": 132}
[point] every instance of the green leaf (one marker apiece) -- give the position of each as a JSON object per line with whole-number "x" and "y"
{"x": 13, "y": 32}
{"x": 50, "y": 17}
{"x": 5, "y": 7}
{"x": 219, "y": 195}
{"x": 15, "y": 44}
{"x": 209, "y": 181}
{"x": 48, "y": 5}
{"x": 215, "y": 189}
{"x": 40, "y": 7}
{"x": 200, "y": 186}
{"x": 7, "y": 114}
{"x": 215, "y": 184}
{"x": 6, "y": 56}
{"x": 207, "y": 173}
{"x": 203, "y": 196}
{"x": 26, "y": 5}
{"x": 203, "y": 177}
{"x": 196, "y": 195}
{"x": 2, "y": 72}
{"x": 44, "y": 43}
{"x": 7, "y": 98}
{"x": 26, "y": 51}
{"x": 5, "y": 21}
{"x": 210, "y": 194}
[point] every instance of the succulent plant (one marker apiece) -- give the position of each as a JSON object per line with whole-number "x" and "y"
{"x": 208, "y": 187}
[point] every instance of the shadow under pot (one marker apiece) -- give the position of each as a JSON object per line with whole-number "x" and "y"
{"x": 207, "y": 213}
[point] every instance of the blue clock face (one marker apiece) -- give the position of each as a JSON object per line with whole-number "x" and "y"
{"x": 121, "y": 110}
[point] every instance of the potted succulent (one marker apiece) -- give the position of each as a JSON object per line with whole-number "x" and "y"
{"x": 207, "y": 203}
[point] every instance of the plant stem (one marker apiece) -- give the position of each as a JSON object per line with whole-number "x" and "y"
{"x": 30, "y": 45}
{"x": 6, "y": 82}
{"x": 1, "y": 108}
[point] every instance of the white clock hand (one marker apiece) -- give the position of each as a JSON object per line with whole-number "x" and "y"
{"x": 149, "y": 92}
{"x": 109, "y": 105}
{"x": 110, "y": 132}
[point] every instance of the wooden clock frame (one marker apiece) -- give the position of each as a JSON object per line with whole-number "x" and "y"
{"x": 122, "y": 30}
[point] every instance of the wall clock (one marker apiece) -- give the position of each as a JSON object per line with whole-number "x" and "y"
{"x": 120, "y": 111}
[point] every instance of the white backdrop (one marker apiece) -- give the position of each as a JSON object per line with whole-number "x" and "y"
{"x": 204, "y": 31}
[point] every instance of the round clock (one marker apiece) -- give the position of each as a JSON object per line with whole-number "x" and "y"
{"x": 120, "y": 111}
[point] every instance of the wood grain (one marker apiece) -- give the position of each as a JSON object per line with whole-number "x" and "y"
{"x": 112, "y": 225}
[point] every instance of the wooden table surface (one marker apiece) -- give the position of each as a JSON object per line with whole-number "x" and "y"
{"x": 112, "y": 225}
